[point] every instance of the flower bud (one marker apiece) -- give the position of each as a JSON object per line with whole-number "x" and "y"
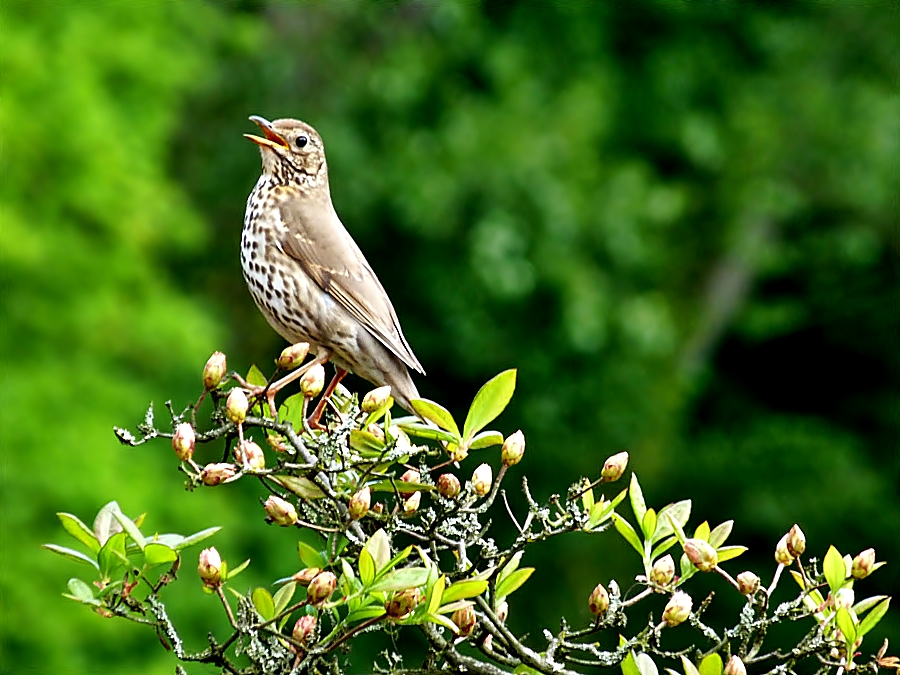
{"x": 614, "y": 467}
{"x": 213, "y": 474}
{"x": 513, "y": 449}
{"x": 702, "y": 554}
{"x": 236, "y": 406}
{"x": 305, "y": 576}
{"x": 863, "y": 564}
{"x": 376, "y": 431}
{"x": 321, "y": 588}
{"x": 250, "y": 455}
{"x": 481, "y": 479}
{"x": 411, "y": 505}
{"x": 375, "y": 399}
{"x": 378, "y": 508}
{"x": 214, "y": 370}
{"x": 677, "y": 609}
{"x": 464, "y": 618}
{"x": 304, "y": 628}
{"x": 663, "y": 571}
{"x": 448, "y": 485}
{"x": 280, "y": 511}
{"x": 796, "y": 541}
{"x": 845, "y": 597}
{"x": 359, "y": 503}
{"x": 292, "y": 356}
{"x": 409, "y": 476}
{"x": 735, "y": 667}
{"x": 403, "y": 602}
{"x": 748, "y": 583}
{"x": 276, "y": 442}
{"x": 183, "y": 441}
{"x": 502, "y": 610}
{"x": 313, "y": 381}
{"x": 782, "y": 552}
{"x": 209, "y": 567}
{"x": 599, "y": 600}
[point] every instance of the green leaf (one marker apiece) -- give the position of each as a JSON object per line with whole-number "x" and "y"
{"x": 379, "y": 547}
{"x": 435, "y": 593}
{"x": 105, "y": 525}
{"x": 513, "y": 581}
{"x": 648, "y": 524}
{"x": 112, "y": 554}
{"x": 720, "y": 533}
{"x": 399, "y": 580}
{"x": 865, "y": 605}
{"x": 81, "y": 532}
{"x": 511, "y": 566}
{"x": 81, "y": 591}
{"x": 231, "y": 574}
{"x": 663, "y": 546}
{"x": 845, "y": 623}
{"x": 872, "y": 618}
{"x": 687, "y": 568}
{"x": 363, "y": 613}
{"x": 680, "y": 512}
{"x": 366, "y": 567}
{"x": 729, "y": 552}
{"x": 131, "y": 529}
{"x": 310, "y": 556}
{"x": 489, "y": 402}
{"x": 255, "y": 377}
{"x": 365, "y": 443}
{"x": 627, "y": 531}
{"x": 486, "y": 439}
{"x": 399, "y": 486}
{"x": 159, "y": 554}
{"x": 440, "y": 620}
{"x": 629, "y": 665}
{"x": 283, "y": 596}
{"x": 300, "y": 486}
{"x": 71, "y": 554}
{"x": 436, "y": 413}
{"x": 688, "y": 667}
{"x": 462, "y": 590}
{"x": 637, "y": 499}
{"x": 196, "y": 538}
{"x": 264, "y": 603}
{"x": 424, "y": 431}
{"x": 291, "y": 411}
{"x": 702, "y": 531}
{"x": 587, "y": 501}
{"x": 711, "y": 665}
{"x": 834, "y": 568}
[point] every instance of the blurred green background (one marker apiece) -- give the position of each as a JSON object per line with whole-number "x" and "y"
{"x": 677, "y": 220}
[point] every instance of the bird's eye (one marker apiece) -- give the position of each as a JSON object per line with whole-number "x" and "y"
{"x": 301, "y": 141}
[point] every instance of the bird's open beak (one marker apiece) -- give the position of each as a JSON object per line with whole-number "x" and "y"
{"x": 272, "y": 139}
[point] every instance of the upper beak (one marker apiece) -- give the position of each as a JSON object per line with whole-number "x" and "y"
{"x": 273, "y": 139}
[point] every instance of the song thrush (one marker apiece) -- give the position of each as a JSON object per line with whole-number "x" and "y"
{"x": 308, "y": 276}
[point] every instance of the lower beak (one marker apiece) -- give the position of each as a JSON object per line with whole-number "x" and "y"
{"x": 273, "y": 139}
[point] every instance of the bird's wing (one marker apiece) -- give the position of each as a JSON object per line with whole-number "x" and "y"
{"x": 318, "y": 241}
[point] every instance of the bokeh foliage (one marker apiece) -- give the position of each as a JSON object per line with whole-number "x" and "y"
{"x": 675, "y": 219}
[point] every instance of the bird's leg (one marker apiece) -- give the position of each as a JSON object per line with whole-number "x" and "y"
{"x": 313, "y": 421}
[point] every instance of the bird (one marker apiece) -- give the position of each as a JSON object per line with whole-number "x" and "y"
{"x": 307, "y": 275}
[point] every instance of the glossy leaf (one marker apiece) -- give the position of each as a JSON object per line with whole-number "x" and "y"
{"x": 255, "y": 377}
{"x": 627, "y": 531}
{"x": 720, "y": 533}
{"x": 513, "y": 581}
{"x": 871, "y": 619}
{"x": 729, "y": 552}
{"x": 436, "y": 413}
{"x": 159, "y": 554}
{"x": 130, "y": 528}
{"x": 105, "y": 525}
{"x": 688, "y": 667}
{"x": 366, "y": 567}
{"x": 81, "y": 532}
{"x": 845, "y": 623}
{"x": 462, "y": 590}
{"x": 196, "y": 538}
{"x": 638, "y": 506}
{"x": 81, "y": 592}
{"x": 112, "y": 554}
{"x": 231, "y": 574}
{"x": 645, "y": 664}
{"x": 629, "y": 665}
{"x": 263, "y": 603}
{"x": 284, "y": 595}
{"x": 711, "y": 665}
{"x": 702, "y": 531}
{"x": 424, "y": 431}
{"x": 680, "y": 512}
{"x": 648, "y": 524}
{"x": 398, "y": 580}
{"x": 489, "y": 402}
{"x": 71, "y": 554}
{"x": 310, "y": 556}
{"x": 486, "y": 439}
{"x": 834, "y": 569}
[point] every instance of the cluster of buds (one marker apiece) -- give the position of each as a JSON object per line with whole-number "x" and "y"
{"x": 360, "y": 503}
{"x": 663, "y": 571}
{"x": 209, "y": 567}
{"x": 465, "y": 619}
{"x": 375, "y": 399}
{"x": 313, "y": 381}
{"x": 280, "y": 512}
{"x": 292, "y": 356}
{"x": 304, "y": 628}
{"x": 482, "y": 478}
{"x": 402, "y": 603}
{"x": 214, "y": 371}
{"x": 214, "y": 474}
{"x": 599, "y": 600}
{"x": 513, "y": 449}
{"x": 748, "y": 583}
{"x": 236, "y": 406}
{"x": 448, "y": 485}
{"x": 249, "y": 455}
{"x": 614, "y": 467}
{"x": 702, "y": 554}
{"x": 678, "y": 609}
{"x": 183, "y": 441}
{"x": 321, "y": 588}
{"x": 790, "y": 546}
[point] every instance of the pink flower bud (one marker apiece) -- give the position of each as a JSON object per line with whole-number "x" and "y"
{"x": 209, "y": 567}
{"x": 213, "y": 474}
{"x": 796, "y": 541}
{"x": 304, "y": 628}
{"x": 599, "y": 600}
{"x": 735, "y": 667}
{"x": 663, "y": 571}
{"x": 313, "y": 381}
{"x": 183, "y": 441}
{"x": 403, "y": 602}
{"x": 863, "y": 564}
{"x": 375, "y": 399}
{"x": 409, "y": 476}
{"x": 448, "y": 485}
{"x": 614, "y": 467}
{"x": 513, "y": 449}
{"x": 321, "y": 588}
{"x": 292, "y": 356}
{"x": 502, "y": 610}
{"x": 214, "y": 371}
{"x": 378, "y": 508}
{"x": 280, "y": 511}
{"x": 678, "y": 609}
{"x": 276, "y": 442}
{"x": 482, "y": 479}
{"x": 305, "y": 576}
{"x": 376, "y": 431}
{"x": 236, "y": 406}
{"x": 411, "y": 505}
{"x": 465, "y": 619}
{"x": 359, "y": 503}
{"x": 782, "y": 552}
{"x": 250, "y": 455}
{"x": 701, "y": 554}
{"x": 748, "y": 583}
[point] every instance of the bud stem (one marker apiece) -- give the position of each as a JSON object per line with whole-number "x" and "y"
{"x": 221, "y": 594}
{"x": 771, "y": 588}
{"x": 727, "y": 576}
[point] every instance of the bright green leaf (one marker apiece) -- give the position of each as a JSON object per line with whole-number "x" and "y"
{"x": 680, "y": 512}
{"x": 231, "y": 574}
{"x": 627, "y": 531}
{"x": 629, "y": 665}
{"x": 513, "y": 581}
{"x": 720, "y": 533}
{"x": 872, "y": 618}
{"x": 648, "y": 524}
{"x": 264, "y": 603}
{"x": 112, "y": 554}
{"x": 424, "y": 431}
{"x": 81, "y": 591}
{"x": 834, "y": 568}
{"x": 711, "y": 665}
{"x": 159, "y": 554}
{"x": 71, "y": 554}
{"x": 702, "y": 531}
{"x": 638, "y": 506}
{"x": 688, "y": 667}
{"x": 435, "y": 592}
{"x": 255, "y": 377}
{"x": 845, "y": 623}
{"x": 489, "y": 402}
{"x": 366, "y": 567}
{"x": 486, "y": 439}
{"x": 463, "y": 589}
{"x": 399, "y": 580}
{"x": 196, "y": 538}
{"x": 132, "y": 529}
{"x": 81, "y": 532}
{"x": 311, "y": 557}
{"x": 284, "y": 595}
{"x": 729, "y": 552}
{"x": 436, "y": 413}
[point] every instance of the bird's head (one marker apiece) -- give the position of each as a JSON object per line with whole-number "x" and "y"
{"x": 292, "y": 151}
